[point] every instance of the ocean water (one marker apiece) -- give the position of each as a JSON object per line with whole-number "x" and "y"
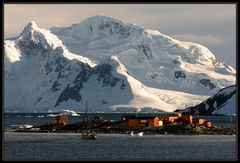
{"x": 70, "y": 146}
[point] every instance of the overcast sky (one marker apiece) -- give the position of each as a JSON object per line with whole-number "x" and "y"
{"x": 212, "y": 25}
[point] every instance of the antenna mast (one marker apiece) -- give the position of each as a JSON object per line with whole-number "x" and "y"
{"x": 87, "y": 115}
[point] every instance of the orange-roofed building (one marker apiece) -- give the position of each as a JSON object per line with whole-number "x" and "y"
{"x": 185, "y": 119}
{"x": 179, "y": 114}
{"x": 168, "y": 118}
{"x": 62, "y": 119}
{"x": 198, "y": 121}
{"x": 171, "y": 118}
{"x": 207, "y": 124}
{"x": 134, "y": 121}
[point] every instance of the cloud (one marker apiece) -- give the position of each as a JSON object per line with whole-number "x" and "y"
{"x": 205, "y": 40}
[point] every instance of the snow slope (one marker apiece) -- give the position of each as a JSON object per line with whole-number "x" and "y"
{"x": 113, "y": 65}
{"x": 229, "y": 108}
{"x": 149, "y": 56}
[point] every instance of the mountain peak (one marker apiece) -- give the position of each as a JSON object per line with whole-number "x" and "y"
{"x": 101, "y": 18}
{"x": 98, "y": 26}
{"x": 126, "y": 65}
{"x": 32, "y": 33}
{"x": 105, "y": 20}
{"x": 31, "y": 26}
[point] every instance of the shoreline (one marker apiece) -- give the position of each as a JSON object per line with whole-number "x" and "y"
{"x": 114, "y": 134}
{"x": 165, "y": 130}
{"x": 102, "y": 126}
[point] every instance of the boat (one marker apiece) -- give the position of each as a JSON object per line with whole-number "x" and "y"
{"x": 88, "y": 134}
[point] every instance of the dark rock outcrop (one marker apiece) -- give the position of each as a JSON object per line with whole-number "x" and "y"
{"x": 103, "y": 126}
{"x": 208, "y": 106}
{"x": 104, "y": 74}
{"x": 179, "y": 74}
{"x": 207, "y": 83}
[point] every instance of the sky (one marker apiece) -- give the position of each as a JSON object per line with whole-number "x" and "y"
{"x": 211, "y": 25}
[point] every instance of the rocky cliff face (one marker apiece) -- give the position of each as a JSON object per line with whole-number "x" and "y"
{"x": 223, "y": 102}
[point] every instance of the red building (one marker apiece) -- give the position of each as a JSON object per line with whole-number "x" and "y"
{"x": 62, "y": 119}
{"x": 134, "y": 121}
{"x": 198, "y": 121}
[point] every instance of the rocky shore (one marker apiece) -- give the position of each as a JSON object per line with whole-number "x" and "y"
{"x": 108, "y": 127}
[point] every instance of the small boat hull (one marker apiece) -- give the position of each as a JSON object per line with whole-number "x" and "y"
{"x": 89, "y": 135}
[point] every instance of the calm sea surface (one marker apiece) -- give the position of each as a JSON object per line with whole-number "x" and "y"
{"x": 70, "y": 146}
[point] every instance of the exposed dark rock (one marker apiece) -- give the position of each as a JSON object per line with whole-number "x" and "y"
{"x": 207, "y": 82}
{"x": 215, "y": 62}
{"x": 32, "y": 48}
{"x": 114, "y": 81}
{"x": 48, "y": 68}
{"x": 123, "y": 85}
{"x": 104, "y": 74}
{"x": 207, "y": 107}
{"x": 175, "y": 61}
{"x": 59, "y": 62}
{"x": 70, "y": 93}
{"x": 60, "y": 75}
{"x": 153, "y": 76}
{"x": 147, "y": 51}
{"x": 54, "y": 86}
{"x": 117, "y": 27}
{"x": 179, "y": 74}
{"x": 83, "y": 75}
{"x": 91, "y": 28}
{"x": 103, "y": 126}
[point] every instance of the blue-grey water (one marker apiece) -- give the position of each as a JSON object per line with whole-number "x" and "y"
{"x": 70, "y": 146}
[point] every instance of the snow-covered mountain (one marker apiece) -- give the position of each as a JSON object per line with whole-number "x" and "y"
{"x": 223, "y": 103}
{"x": 113, "y": 65}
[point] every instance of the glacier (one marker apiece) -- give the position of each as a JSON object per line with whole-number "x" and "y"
{"x": 114, "y": 65}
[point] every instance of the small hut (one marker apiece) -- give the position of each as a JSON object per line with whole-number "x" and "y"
{"x": 168, "y": 118}
{"x": 62, "y": 119}
{"x": 198, "y": 121}
{"x": 207, "y": 123}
